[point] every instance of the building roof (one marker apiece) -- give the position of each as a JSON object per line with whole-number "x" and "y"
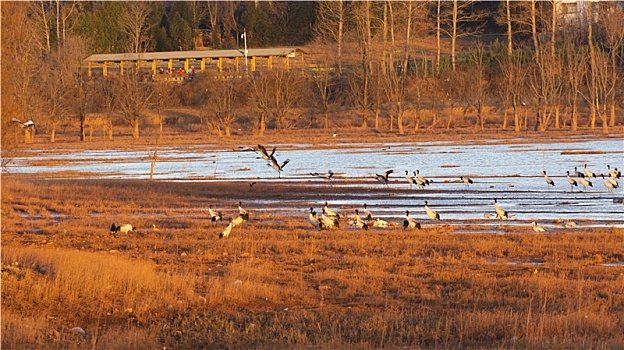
{"x": 197, "y": 54}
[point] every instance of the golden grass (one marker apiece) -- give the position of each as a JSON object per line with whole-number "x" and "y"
{"x": 279, "y": 284}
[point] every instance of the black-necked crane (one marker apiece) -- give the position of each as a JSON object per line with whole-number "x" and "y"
{"x": 585, "y": 182}
{"x": 549, "y": 181}
{"x": 613, "y": 173}
{"x": 315, "y": 220}
{"x": 23, "y": 125}
{"x": 500, "y": 212}
{"x": 432, "y": 214}
{"x": 367, "y": 213}
{"x": 578, "y": 173}
{"x": 328, "y": 176}
{"x": 410, "y": 222}
{"x": 330, "y": 222}
{"x": 420, "y": 181}
{"x": 422, "y": 178}
{"x": 588, "y": 172}
{"x": 410, "y": 180}
{"x": 466, "y": 180}
{"x": 242, "y": 211}
{"x": 537, "y": 228}
{"x": 226, "y": 232}
{"x": 609, "y": 183}
{"x": 278, "y": 167}
{"x": 330, "y": 212}
{"x": 385, "y": 177}
{"x": 265, "y": 155}
{"x": 359, "y": 223}
{"x": 214, "y": 214}
{"x": 571, "y": 181}
{"x": 239, "y": 220}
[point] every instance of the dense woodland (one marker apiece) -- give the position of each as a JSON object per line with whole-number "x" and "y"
{"x": 385, "y": 65}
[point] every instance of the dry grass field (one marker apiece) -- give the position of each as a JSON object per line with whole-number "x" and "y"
{"x": 275, "y": 282}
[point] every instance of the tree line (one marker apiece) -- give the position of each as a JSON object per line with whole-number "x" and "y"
{"x": 390, "y": 65}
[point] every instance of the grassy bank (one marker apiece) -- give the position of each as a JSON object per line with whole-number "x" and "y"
{"x": 275, "y": 282}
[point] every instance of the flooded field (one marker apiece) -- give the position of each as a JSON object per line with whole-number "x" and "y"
{"x": 509, "y": 171}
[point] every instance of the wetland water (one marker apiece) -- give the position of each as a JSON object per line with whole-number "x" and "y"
{"x": 508, "y": 170}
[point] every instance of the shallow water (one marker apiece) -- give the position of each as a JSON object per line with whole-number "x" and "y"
{"x": 511, "y": 172}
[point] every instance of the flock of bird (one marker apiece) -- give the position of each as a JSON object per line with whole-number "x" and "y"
{"x": 330, "y": 218}
{"x": 363, "y": 219}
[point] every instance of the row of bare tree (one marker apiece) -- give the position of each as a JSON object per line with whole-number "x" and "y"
{"x": 572, "y": 71}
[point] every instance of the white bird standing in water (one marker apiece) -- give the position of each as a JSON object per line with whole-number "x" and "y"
{"x": 613, "y": 173}
{"x": 586, "y": 183}
{"x": 500, "y": 212}
{"x": 421, "y": 178}
{"x": 549, "y": 181}
{"x": 420, "y": 181}
{"x": 431, "y": 213}
{"x": 588, "y": 172}
{"x": 466, "y": 180}
{"x": 538, "y": 229}
{"x": 410, "y": 180}
{"x": 571, "y": 181}
{"x": 609, "y": 183}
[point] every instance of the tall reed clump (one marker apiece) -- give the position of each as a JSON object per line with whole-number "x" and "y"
{"x": 84, "y": 288}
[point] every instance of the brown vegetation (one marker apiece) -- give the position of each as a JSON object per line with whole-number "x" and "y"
{"x": 276, "y": 282}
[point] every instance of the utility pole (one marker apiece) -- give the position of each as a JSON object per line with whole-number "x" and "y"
{"x": 244, "y": 36}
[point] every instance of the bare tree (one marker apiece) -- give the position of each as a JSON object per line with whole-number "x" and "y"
{"x": 261, "y": 95}
{"x": 611, "y": 25}
{"x": 288, "y": 91}
{"x": 455, "y": 23}
{"x": 360, "y": 79}
{"x": 213, "y": 16}
{"x": 64, "y": 10}
{"x": 475, "y": 92}
{"x": 133, "y": 95}
{"x": 224, "y": 99}
{"x": 546, "y": 83}
{"x": 394, "y": 87}
{"x": 18, "y": 77}
{"x": 161, "y": 97}
{"x": 42, "y": 10}
{"x": 106, "y": 102}
{"x": 330, "y": 24}
{"x": 133, "y": 20}
{"x": 324, "y": 90}
{"x": 513, "y": 70}
{"x": 59, "y": 84}
{"x": 576, "y": 63}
